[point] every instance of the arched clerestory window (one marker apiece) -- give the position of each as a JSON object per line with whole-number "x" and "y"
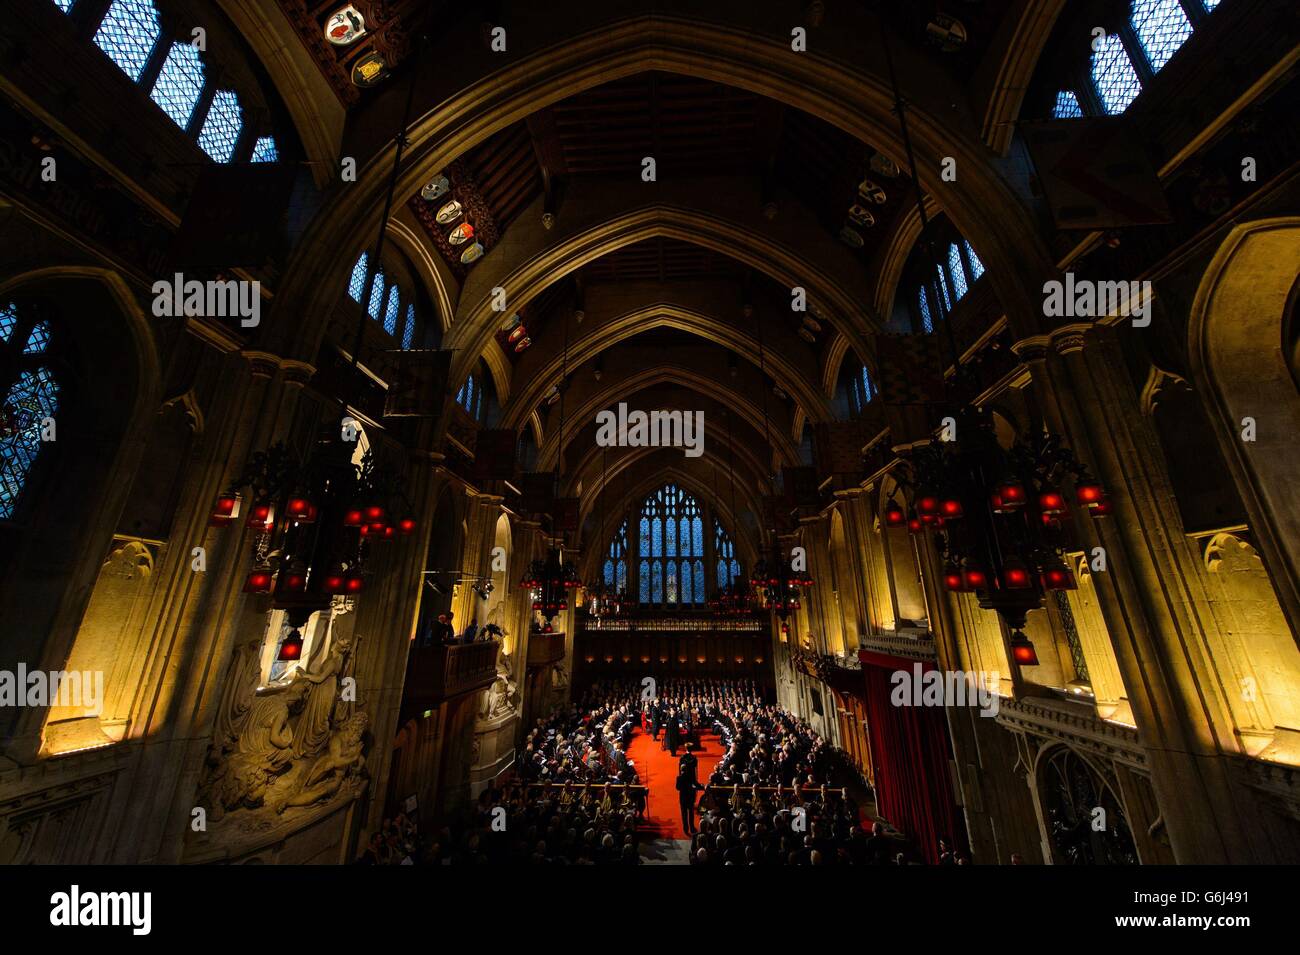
{"x": 31, "y": 397}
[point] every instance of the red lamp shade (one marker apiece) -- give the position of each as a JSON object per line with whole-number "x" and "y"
{"x": 336, "y": 583}
{"x": 291, "y": 648}
{"x": 894, "y": 516}
{"x": 1016, "y": 576}
{"x": 406, "y": 526}
{"x": 953, "y": 580}
{"x": 353, "y": 518}
{"x": 928, "y": 519}
{"x": 301, "y": 510}
{"x": 355, "y": 584}
{"x": 1023, "y": 652}
{"x": 1102, "y": 508}
{"x": 1051, "y": 502}
{"x": 259, "y": 517}
{"x": 258, "y": 582}
{"x": 1008, "y": 495}
{"x": 291, "y": 582}
{"x": 224, "y": 511}
{"x": 1057, "y": 577}
{"x": 951, "y": 508}
{"x": 388, "y": 531}
{"x": 974, "y": 578}
{"x": 1088, "y": 493}
{"x": 375, "y": 514}
{"x": 914, "y": 525}
{"x": 927, "y": 504}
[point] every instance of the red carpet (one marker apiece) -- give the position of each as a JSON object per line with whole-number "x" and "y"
{"x": 658, "y": 772}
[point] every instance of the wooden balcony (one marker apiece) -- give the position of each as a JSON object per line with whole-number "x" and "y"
{"x": 545, "y": 649}
{"x": 436, "y": 674}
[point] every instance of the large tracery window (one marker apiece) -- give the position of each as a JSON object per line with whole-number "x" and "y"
{"x": 31, "y": 396}
{"x": 671, "y": 548}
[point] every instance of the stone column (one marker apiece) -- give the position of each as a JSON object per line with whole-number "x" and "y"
{"x": 1085, "y": 395}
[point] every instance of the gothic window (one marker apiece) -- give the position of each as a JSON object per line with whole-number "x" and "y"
{"x": 31, "y": 395}
{"x": 1210, "y": 4}
{"x": 128, "y": 33}
{"x": 672, "y": 548}
{"x": 408, "y": 333}
{"x": 221, "y": 127}
{"x": 1067, "y": 106}
{"x": 393, "y": 309}
{"x": 357, "y": 284}
{"x": 615, "y": 570}
{"x": 923, "y": 305}
{"x": 470, "y": 397}
{"x": 1074, "y": 797}
{"x": 180, "y": 84}
{"x": 956, "y": 270}
{"x": 64, "y": 5}
{"x": 728, "y": 569}
{"x": 1161, "y": 27}
{"x": 976, "y": 266}
{"x": 377, "y": 296}
{"x": 1114, "y": 76}
{"x": 264, "y": 150}
{"x": 943, "y": 287}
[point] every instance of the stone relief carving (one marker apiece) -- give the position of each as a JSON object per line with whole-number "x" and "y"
{"x": 500, "y": 700}
{"x": 292, "y": 743}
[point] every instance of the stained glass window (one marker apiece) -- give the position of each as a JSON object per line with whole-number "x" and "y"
{"x": 868, "y": 388}
{"x": 943, "y": 287}
{"x": 357, "y": 284}
{"x": 1067, "y": 106}
{"x": 465, "y": 398}
{"x": 1161, "y": 27}
{"x": 128, "y": 33}
{"x": 31, "y": 397}
{"x": 408, "y": 333}
{"x": 976, "y": 266}
{"x": 221, "y": 127}
{"x": 377, "y": 296}
{"x": 1210, "y": 4}
{"x": 180, "y": 84}
{"x": 8, "y": 319}
{"x": 728, "y": 568}
{"x": 957, "y": 271}
{"x": 923, "y": 303}
{"x": 672, "y": 548}
{"x": 64, "y": 5}
{"x": 616, "y": 560}
{"x": 264, "y": 150}
{"x": 393, "y": 310}
{"x": 1113, "y": 74}
{"x": 38, "y": 340}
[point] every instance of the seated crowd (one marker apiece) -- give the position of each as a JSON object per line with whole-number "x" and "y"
{"x": 575, "y": 799}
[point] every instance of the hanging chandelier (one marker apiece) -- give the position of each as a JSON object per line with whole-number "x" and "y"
{"x": 549, "y": 581}
{"x": 777, "y": 585}
{"x": 998, "y": 517}
{"x": 314, "y": 524}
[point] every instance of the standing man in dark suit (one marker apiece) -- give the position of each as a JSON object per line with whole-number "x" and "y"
{"x": 672, "y": 734}
{"x": 687, "y": 787}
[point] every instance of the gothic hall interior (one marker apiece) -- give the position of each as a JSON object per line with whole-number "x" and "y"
{"x": 754, "y": 432}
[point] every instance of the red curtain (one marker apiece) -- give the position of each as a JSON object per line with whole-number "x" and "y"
{"x": 911, "y": 752}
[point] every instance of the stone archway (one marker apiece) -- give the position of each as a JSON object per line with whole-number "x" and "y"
{"x": 1239, "y": 365}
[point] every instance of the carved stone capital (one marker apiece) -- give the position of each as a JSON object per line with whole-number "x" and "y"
{"x": 262, "y": 364}
{"x": 1070, "y": 338}
{"x": 1034, "y": 349}
{"x": 296, "y": 372}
